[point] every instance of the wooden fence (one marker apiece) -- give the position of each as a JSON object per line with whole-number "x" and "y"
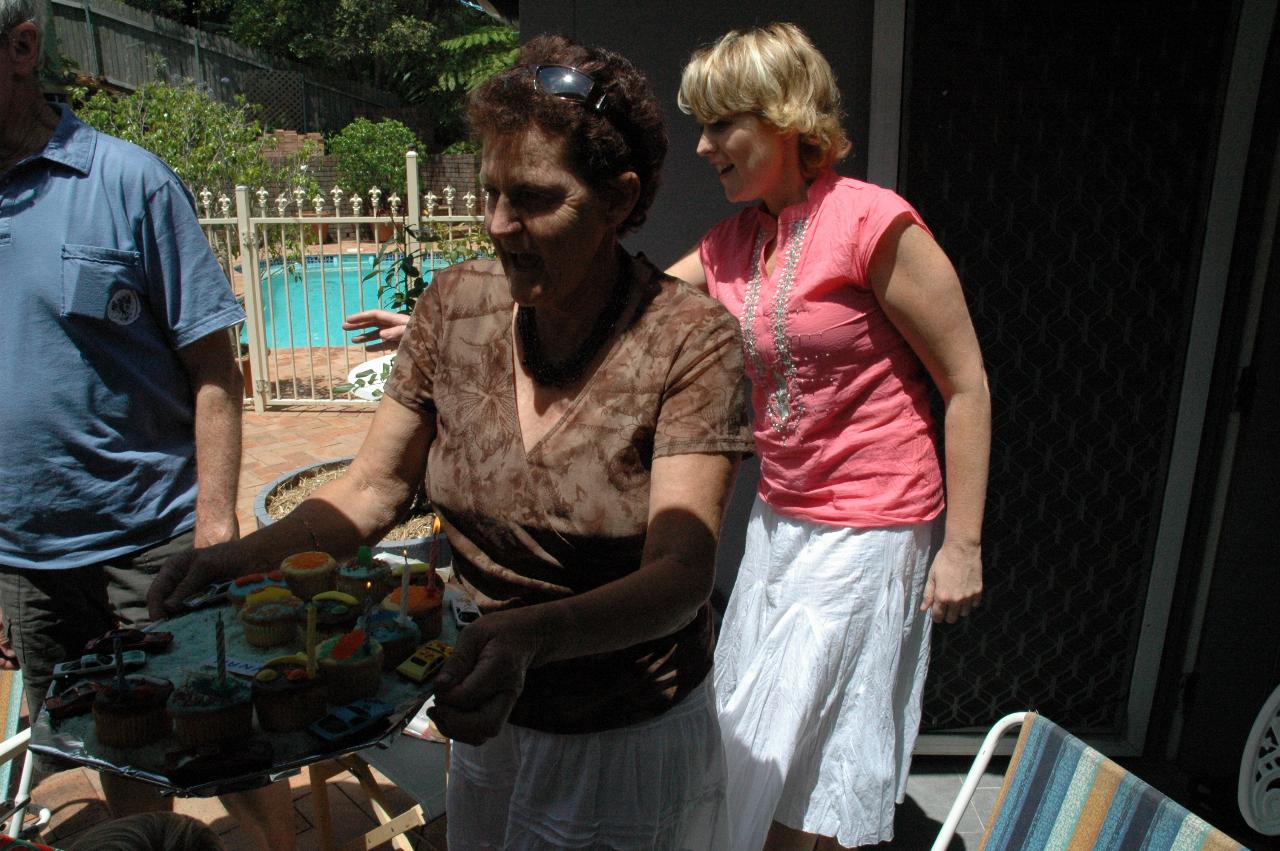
{"x": 127, "y": 47}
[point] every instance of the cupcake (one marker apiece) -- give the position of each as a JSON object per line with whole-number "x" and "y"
{"x": 284, "y": 697}
{"x": 351, "y": 666}
{"x": 245, "y": 585}
{"x": 398, "y": 640}
{"x": 336, "y": 613}
{"x": 363, "y": 578}
{"x": 207, "y": 711}
{"x": 419, "y": 573}
{"x": 134, "y": 715}
{"x": 271, "y": 621}
{"x": 309, "y": 574}
{"x": 424, "y": 607}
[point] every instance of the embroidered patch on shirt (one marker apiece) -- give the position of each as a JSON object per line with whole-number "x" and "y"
{"x": 124, "y": 307}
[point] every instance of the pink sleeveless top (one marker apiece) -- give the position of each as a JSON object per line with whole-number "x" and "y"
{"x": 842, "y": 423}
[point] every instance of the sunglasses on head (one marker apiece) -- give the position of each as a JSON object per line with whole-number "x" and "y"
{"x": 568, "y": 83}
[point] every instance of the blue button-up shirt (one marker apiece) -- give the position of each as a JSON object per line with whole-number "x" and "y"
{"x": 104, "y": 275}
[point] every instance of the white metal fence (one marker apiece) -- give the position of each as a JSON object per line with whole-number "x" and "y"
{"x": 300, "y": 265}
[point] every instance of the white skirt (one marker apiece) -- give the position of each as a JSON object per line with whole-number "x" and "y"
{"x": 819, "y": 671}
{"x": 658, "y": 784}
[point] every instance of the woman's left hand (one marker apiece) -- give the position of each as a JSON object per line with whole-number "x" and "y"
{"x": 954, "y": 587}
{"x": 479, "y": 683}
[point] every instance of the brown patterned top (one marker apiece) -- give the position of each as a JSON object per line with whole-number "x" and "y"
{"x": 571, "y": 514}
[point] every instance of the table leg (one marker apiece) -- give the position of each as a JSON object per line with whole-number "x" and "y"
{"x": 360, "y": 769}
{"x": 317, "y": 775}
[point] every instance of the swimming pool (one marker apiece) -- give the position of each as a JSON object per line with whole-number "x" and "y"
{"x": 305, "y": 305}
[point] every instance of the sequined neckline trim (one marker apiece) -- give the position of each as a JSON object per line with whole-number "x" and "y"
{"x": 783, "y": 405}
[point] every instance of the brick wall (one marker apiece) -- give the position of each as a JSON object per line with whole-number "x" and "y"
{"x": 436, "y": 171}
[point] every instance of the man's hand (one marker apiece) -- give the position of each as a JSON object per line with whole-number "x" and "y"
{"x": 386, "y": 328}
{"x": 186, "y": 575}
{"x": 479, "y": 683}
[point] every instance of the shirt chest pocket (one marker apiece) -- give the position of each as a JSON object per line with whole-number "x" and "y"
{"x": 102, "y": 283}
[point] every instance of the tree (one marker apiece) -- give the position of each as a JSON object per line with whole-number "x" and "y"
{"x": 208, "y": 143}
{"x": 372, "y": 154}
{"x": 429, "y": 53}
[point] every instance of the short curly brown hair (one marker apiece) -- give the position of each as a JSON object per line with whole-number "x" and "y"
{"x": 628, "y": 134}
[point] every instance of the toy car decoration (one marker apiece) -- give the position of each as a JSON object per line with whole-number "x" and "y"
{"x": 464, "y": 611}
{"x": 355, "y": 719}
{"x": 213, "y": 595}
{"x": 425, "y": 661}
{"x": 98, "y": 663}
{"x": 73, "y": 701}
{"x": 130, "y": 639}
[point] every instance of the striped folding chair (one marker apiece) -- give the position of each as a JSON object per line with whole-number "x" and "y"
{"x": 1059, "y": 793}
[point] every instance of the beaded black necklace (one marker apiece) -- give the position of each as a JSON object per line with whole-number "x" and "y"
{"x": 568, "y": 372}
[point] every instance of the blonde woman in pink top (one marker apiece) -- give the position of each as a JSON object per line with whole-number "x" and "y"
{"x": 848, "y": 306}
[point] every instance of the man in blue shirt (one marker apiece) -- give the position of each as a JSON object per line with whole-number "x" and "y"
{"x": 120, "y": 391}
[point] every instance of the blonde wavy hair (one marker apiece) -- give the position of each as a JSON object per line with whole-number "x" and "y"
{"x": 774, "y": 72}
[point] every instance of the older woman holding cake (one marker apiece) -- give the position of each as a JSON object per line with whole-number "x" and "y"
{"x": 578, "y": 416}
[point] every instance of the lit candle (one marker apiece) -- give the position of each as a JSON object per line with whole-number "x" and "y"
{"x": 311, "y": 640}
{"x": 404, "y": 589}
{"x": 434, "y": 557}
{"x": 219, "y": 635}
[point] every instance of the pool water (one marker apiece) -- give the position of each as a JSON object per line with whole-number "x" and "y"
{"x": 305, "y": 306}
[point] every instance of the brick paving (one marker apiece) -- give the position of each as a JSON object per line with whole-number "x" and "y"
{"x": 278, "y": 441}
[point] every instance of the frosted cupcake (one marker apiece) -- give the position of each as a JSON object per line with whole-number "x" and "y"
{"x": 363, "y": 578}
{"x": 272, "y": 621}
{"x": 245, "y": 585}
{"x": 336, "y": 614}
{"x": 351, "y": 666}
{"x": 419, "y": 573}
{"x": 285, "y": 698}
{"x": 309, "y": 574}
{"x": 207, "y": 711}
{"x": 132, "y": 716}
{"x": 424, "y": 608}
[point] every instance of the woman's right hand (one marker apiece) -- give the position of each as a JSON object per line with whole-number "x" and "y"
{"x": 386, "y": 328}
{"x": 189, "y": 573}
{"x": 478, "y": 684}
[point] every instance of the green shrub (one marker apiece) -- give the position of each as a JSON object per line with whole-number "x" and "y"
{"x": 372, "y": 155}
{"x": 208, "y": 143}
